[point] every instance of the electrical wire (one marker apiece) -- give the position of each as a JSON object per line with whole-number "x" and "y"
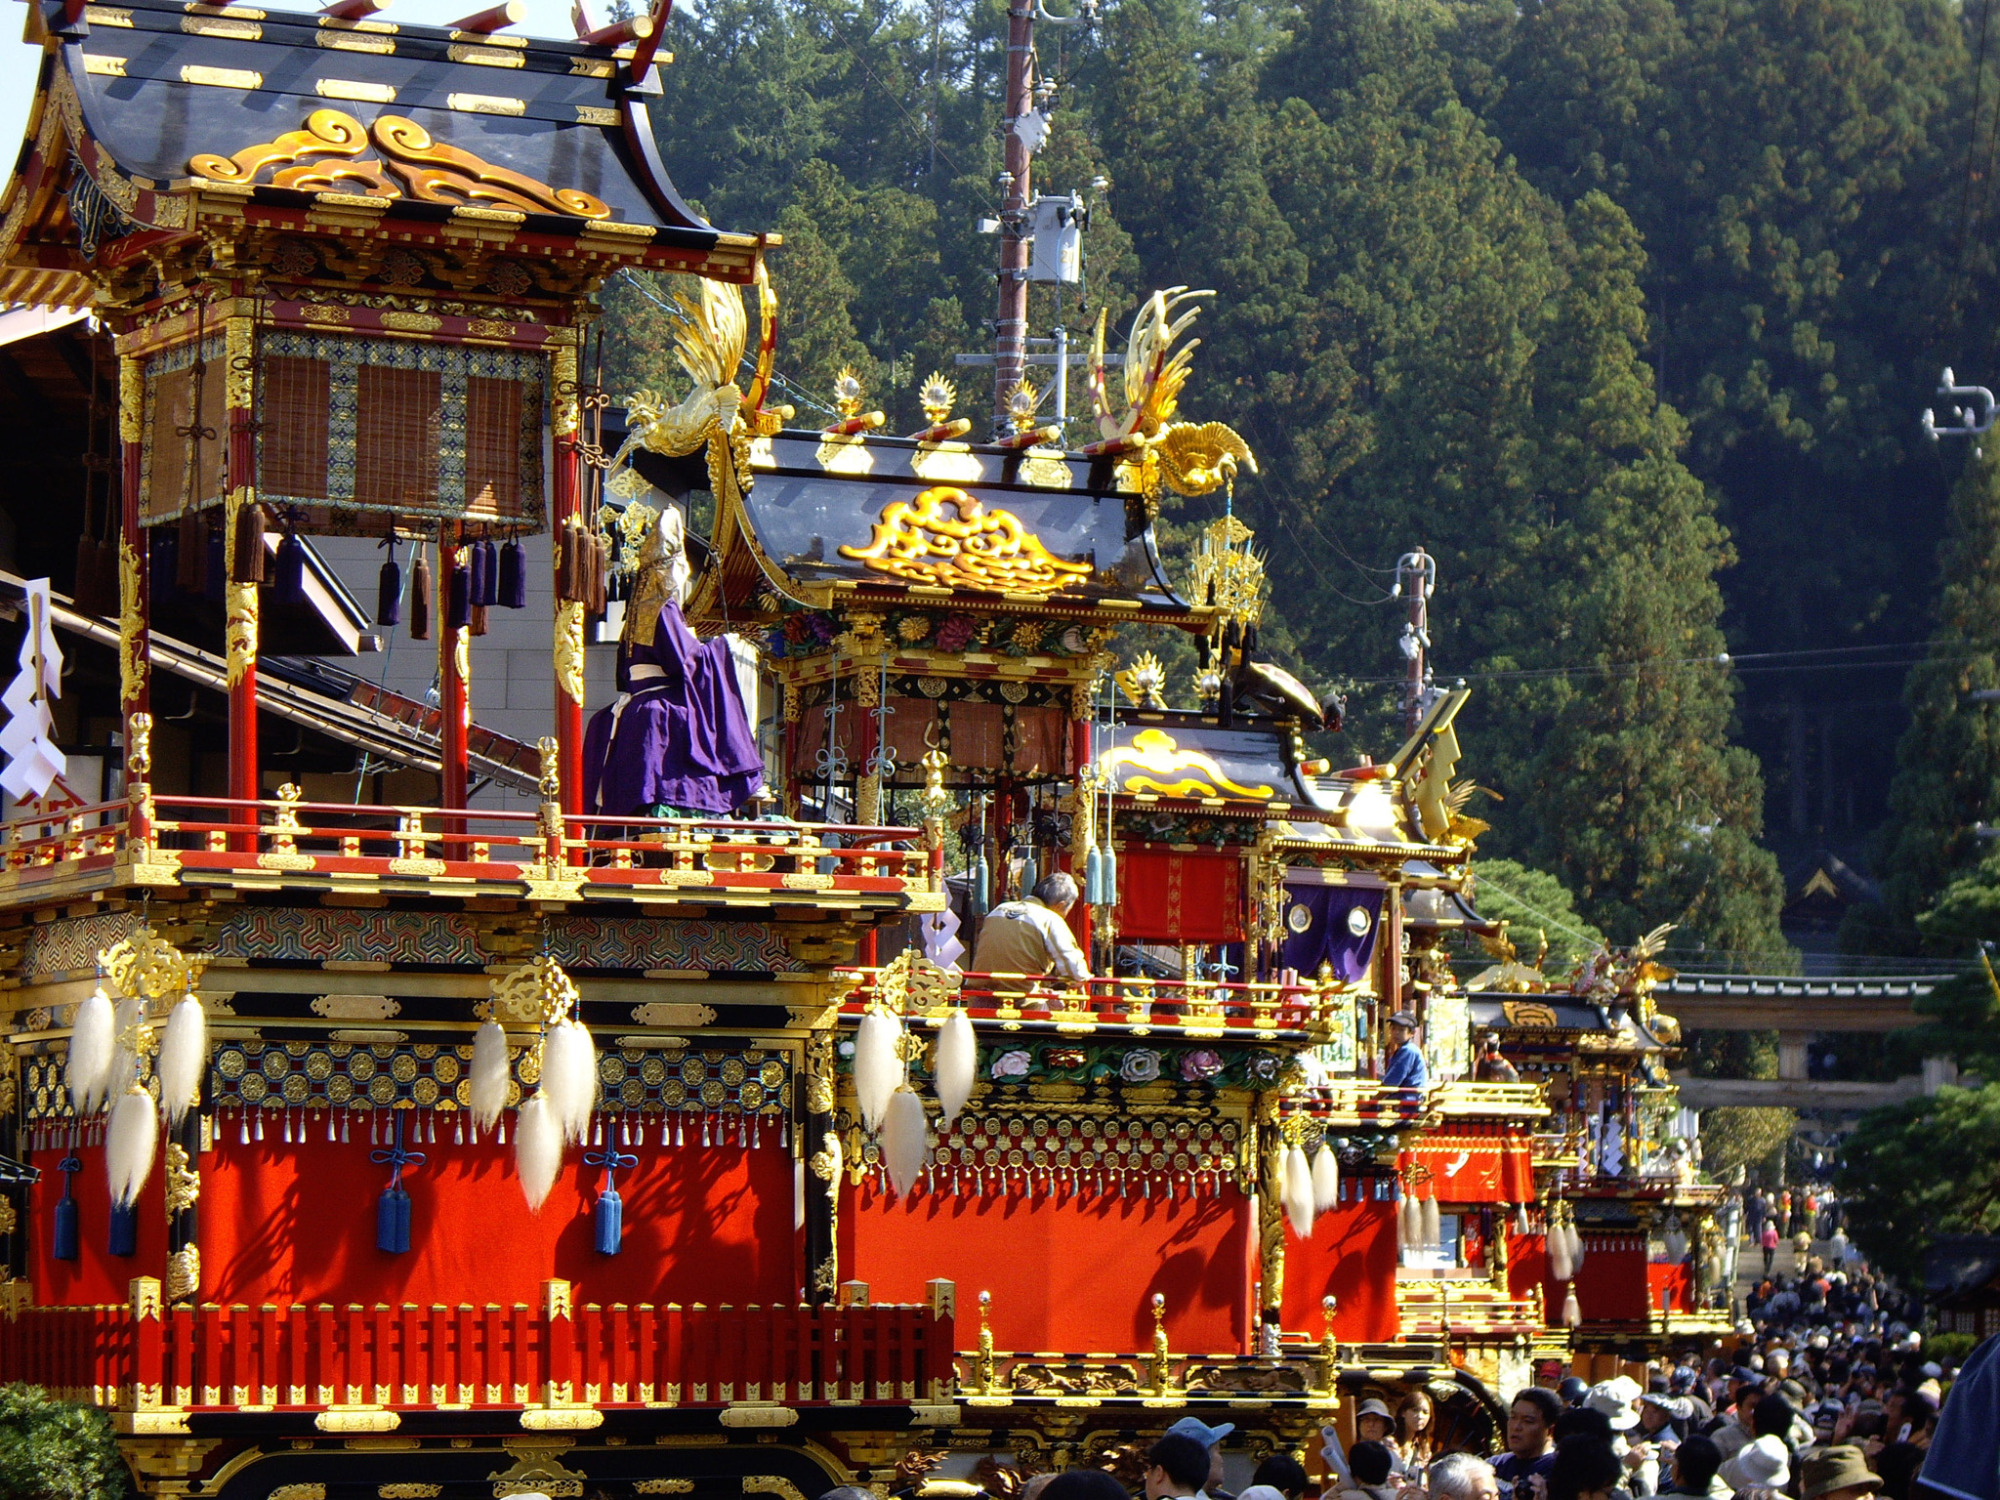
{"x": 1758, "y": 662}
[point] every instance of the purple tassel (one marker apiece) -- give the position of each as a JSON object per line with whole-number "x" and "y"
{"x": 475, "y": 566}
{"x": 290, "y": 583}
{"x": 458, "y": 600}
{"x": 389, "y": 592}
{"x": 513, "y": 583}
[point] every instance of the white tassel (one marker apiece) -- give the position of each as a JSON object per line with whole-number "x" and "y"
{"x": 878, "y": 1065}
{"x": 904, "y": 1143}
{"x": 1433, "y": 1229}
{"x": 93, "y": 1043}
{"x": 538, "y": 1148}
{"x": 489, "y": 1074}
{"x": 1572, "y": 1311}
{"x": 183, "y": 1059}
{"x": 1299, "y": 1192}
{"x": 1326, "y": 1180}
{"x": 1560, "y": 1265}
{"x": 569, "y": 1077}
{"x": 135, "y": 1135}
{"x": 1575, "y": 1248}
{"x": 957, "y": 1059}
{"x": 1409, "y": 1221}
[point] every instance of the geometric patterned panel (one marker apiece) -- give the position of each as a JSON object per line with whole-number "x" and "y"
{"x": 272, "y": 1075}
{"x": 589, "y": 942}
{"x": 71, "y": 946}
{"x": 295, "y": 934}
{"x": 314, "y": 935}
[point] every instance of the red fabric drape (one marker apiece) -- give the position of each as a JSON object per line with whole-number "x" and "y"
{"x": 1352, "y": 1254}
{"x": 1612, "y": 1284}
{"x": 287, "y": 1223}
{"x": 1669, "y": 1280}
{"x": 1067, "y": 1275}
{"x": 1477, "y": 1169}
{"x": 1169, "y": 897}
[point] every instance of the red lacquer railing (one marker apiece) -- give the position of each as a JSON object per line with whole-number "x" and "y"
{"x": 409, "y": 1356}
{"x": 360, "y": 840}
{"x": 1190, "y": 1008}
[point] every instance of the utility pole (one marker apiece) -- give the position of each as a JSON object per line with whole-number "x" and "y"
{"x": 1416, "y": 580}
{"x": 1010, "y": 327}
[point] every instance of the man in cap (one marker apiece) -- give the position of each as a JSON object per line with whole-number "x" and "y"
{"x": 1837, "y": 1473}
{"x": 1405, "y": 1068}
{"x": 1210, "y": 1439}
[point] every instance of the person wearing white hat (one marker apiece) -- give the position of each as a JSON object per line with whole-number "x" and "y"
{"x": 1617, "y": 1398}
{"x": 1765, "y": 1463}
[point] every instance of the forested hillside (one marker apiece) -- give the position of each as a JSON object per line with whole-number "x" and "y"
{"x": 1625, "y": 309}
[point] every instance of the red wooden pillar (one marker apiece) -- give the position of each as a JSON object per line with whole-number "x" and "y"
{"x": 566, "y": 423}
{"x": 454, "y": 701}
{"x": 135, "y": 641}
{"x": 240, "y": 629}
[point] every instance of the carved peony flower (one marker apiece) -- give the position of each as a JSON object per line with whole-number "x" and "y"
{"x": 1199, "y": 1065}
{"x": 1009, "y": 1066}
{"x": 956, "y": 633}
{"x": 1141, "y": 1066}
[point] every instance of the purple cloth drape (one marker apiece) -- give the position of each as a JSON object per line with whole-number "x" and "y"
{"x": 680, "y": 738}
{"x": 1328, "y": 937}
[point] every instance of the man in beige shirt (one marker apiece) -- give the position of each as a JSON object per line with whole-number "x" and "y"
{"x": 1030, "y": 936}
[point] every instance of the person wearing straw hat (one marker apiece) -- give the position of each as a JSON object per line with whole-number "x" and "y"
{"x": 1837, "y": 1473}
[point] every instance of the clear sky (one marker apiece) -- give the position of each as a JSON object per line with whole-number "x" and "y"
{"x": 19, "y": 63}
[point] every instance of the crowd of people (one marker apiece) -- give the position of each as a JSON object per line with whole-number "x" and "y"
{"x": 1801, "y": 1415}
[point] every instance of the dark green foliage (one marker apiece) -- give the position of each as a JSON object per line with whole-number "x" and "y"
{"x": 54, "y": 1450}
{"x": 1922, "y": 1169}
{"x": 1948, "y": 771}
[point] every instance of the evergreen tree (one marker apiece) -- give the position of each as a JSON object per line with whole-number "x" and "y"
{"x": 1948, "y": 765}
{"x": 1634, "y": 796}
{"x": 57, "y": 1450}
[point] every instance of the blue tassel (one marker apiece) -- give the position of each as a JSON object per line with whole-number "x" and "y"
{"x": 1110, "y": 877}
{"x": 392, "y": 1221}
{"x": 67, "y": 1245}
{"x": 608, "y": 1216}
{"x": 392, "y": 1209}
{"x": 489, "y": 573}
{"x": 1093, "y": 877}
{"x": 609, "y": 1220}
{"x": 976, "y": 901}
{"x": 125, "y": 1229}
{"x": 1031, "y": 876}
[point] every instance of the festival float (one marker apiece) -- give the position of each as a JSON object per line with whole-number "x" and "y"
{"x": 656, "y": 1137}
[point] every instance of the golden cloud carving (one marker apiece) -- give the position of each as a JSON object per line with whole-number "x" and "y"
{"x": 946, "y": 538}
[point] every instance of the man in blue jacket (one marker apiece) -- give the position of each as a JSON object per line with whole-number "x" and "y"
{"x": 1406, "y": 1068}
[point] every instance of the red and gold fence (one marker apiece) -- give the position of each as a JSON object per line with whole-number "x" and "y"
{"x": 322, "y": 1357}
